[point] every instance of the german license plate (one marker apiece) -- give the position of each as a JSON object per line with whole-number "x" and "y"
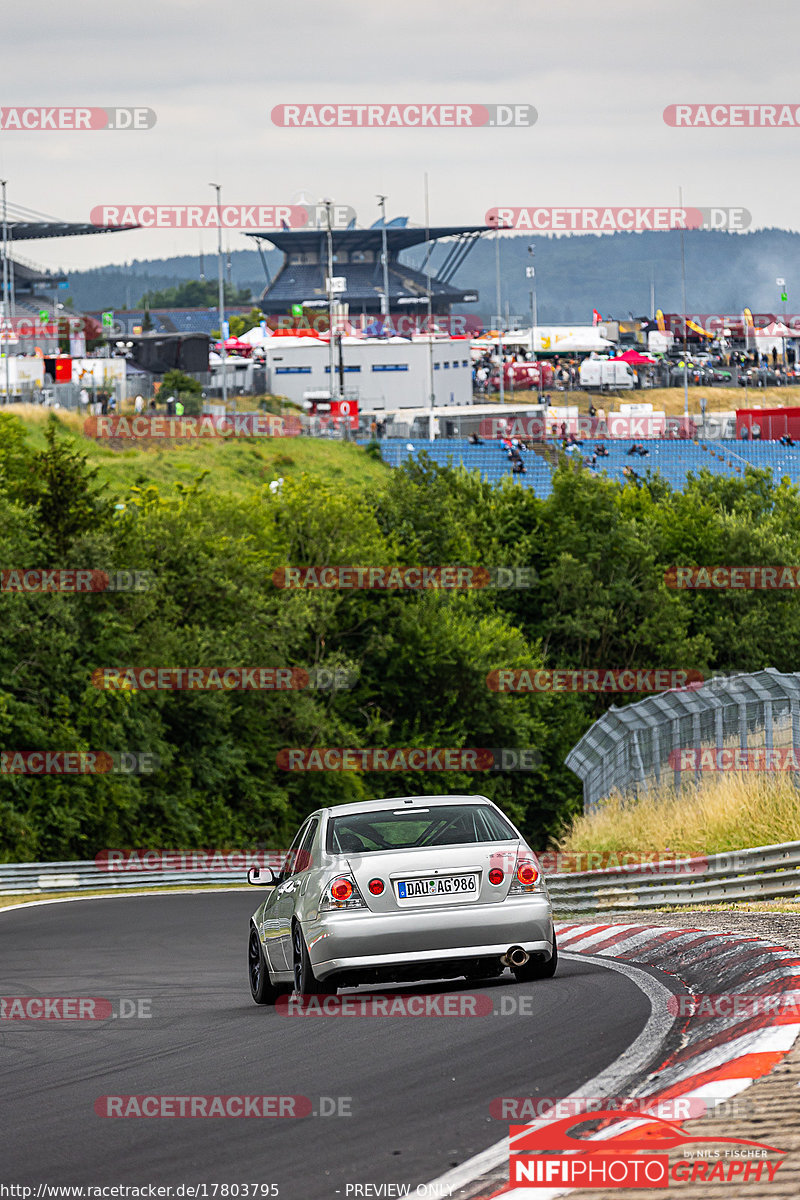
{"x": 442, "y": 885}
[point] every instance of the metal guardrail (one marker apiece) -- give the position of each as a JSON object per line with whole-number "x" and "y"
{"x": 19, "y": 878}
{"x": 761, "y": 873}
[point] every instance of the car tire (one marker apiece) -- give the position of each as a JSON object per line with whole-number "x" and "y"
{"x": 534, "y": 969}
{"x": 305, "y": 981}
{"x": 262, "y": 989}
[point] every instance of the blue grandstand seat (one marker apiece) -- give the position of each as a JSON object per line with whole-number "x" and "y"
{"x": 673, "y": 460}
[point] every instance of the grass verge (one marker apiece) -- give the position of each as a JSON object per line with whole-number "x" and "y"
{"x": 733, "y": 812}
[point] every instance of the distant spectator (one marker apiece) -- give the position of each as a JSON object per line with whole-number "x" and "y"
{"x": 755, "y": 431}
{"x": 563, "y": 429}
{"x": 84, "y": 397}
{"x": 592, "y": 411}
{"x": 474, "y": 440}
{"x": 170, "y": 406}
{"x": 634, "y": 449}
{"x": 138, "y": 404}
{"x": 518, "y": 467}
{"x": 601, "y": 451}
{"x": 744, "y": 433}
{"x": 179, "y": 409}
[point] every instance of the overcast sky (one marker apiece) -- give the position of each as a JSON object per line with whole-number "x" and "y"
{"x": 598, "y": 74}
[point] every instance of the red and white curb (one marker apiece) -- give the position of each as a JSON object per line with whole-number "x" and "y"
{"x": 719, "y": 1056}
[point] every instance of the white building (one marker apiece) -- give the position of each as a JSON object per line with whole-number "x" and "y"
{"x": 383, "y": 374}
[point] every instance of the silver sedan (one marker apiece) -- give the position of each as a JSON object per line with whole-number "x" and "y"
{"x": 423, "y": 887}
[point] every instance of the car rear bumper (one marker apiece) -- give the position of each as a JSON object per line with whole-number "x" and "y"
{"x": 354, "y": 940}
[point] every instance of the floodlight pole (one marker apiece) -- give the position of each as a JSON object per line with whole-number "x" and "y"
{"x": 221, "y": 295}
{"x": 685, "y": 347}
{"x": 5, "y": 286}
{"x": 431, "y": 414}
{"x": 499, "y": 314}
{"x": 333, "y": 388}
{"x": 385, "y": 260}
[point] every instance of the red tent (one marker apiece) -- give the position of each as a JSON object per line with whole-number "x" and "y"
{"x": 634, "y": 357}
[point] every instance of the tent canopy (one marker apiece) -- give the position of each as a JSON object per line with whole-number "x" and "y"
{"x": 634, "y": 357}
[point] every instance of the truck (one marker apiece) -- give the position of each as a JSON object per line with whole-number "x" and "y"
{"x": 603, "y": 373}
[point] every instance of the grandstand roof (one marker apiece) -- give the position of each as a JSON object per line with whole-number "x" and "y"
{"x": 19, "y": 231}
{"x": 397, "y": 239}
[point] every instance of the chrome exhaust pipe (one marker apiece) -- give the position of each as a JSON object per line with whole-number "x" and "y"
{"x": 515, "y": 956}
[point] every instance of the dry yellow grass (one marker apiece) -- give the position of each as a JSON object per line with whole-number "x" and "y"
{"x": 670, "y": 400}
{"x": 729, "y": 812}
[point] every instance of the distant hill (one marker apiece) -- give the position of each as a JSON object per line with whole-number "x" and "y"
{"x": 612, "y": 273}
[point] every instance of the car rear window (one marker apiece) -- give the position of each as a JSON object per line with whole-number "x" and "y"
{"x": 441, "y": 825}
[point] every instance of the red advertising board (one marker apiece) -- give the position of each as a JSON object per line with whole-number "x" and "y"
{"x": 344, "y": 410}
{"x": 63, "y": 370}
{"x": 770, "y": 423}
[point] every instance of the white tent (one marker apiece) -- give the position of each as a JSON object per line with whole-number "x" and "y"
{"x": 776, "y": 329}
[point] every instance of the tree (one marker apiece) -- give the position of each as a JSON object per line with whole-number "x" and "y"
{"x": 64, "y": 493}
{"x": 194, "y": 293}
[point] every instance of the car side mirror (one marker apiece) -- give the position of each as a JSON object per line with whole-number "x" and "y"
{"x": 260, "y": 876}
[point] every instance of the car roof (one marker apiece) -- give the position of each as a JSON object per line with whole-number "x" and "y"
{"x": 366, "y": 806}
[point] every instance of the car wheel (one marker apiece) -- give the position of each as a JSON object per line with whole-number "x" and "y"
{"x": 305, "y": 981}
{"x": 534, "y": 969}
{"x": 262, "y": 989}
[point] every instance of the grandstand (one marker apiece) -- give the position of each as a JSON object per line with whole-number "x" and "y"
{"x": 672, "y": 459}
{"x": 357, "y": 255}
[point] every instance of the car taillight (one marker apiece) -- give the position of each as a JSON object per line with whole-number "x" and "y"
{"x": 527, "y": 876}
{"x": 496, "y": 876}
{"x": 527, "y": 873}
{"x": 376, "y": 886}
{"x": 341, "y": 892}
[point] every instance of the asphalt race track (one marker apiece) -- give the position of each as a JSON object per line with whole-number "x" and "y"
{"x": 419, "y": 1088}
